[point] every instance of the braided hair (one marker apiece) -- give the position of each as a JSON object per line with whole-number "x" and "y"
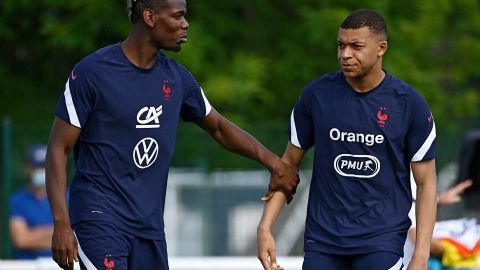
{"x": 135, "y": 8}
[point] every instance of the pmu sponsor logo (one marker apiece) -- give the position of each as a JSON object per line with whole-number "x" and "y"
{"x": 147, "y": 117}
{"x": 359, "y": 166}
{"x": 145, "y": 153}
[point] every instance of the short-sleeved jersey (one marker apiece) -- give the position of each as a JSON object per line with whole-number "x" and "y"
{"x": 360, "y": 192}
{"x": 36, "y": 213}
{"x": 128, "y": 118}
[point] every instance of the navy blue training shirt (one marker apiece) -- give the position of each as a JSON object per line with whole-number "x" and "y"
{"x": 364, "y": 143}
{"x": 128, "y": 118}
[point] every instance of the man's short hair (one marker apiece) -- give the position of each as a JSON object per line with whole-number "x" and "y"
{"x": 135, "y": 8}
{"x": 366, "y": 18}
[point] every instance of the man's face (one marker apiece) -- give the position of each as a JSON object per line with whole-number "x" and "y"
{"x": 36, "y": 176}
{"x": 170, "y": 29}
{"x": 359, "y": 51}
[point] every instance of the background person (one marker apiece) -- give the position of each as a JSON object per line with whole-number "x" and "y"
{"x": 31, "y": 223}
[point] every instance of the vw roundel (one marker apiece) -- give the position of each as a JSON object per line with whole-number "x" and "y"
{"x": 145, "y": 153}
{"x": 360, "y": 166}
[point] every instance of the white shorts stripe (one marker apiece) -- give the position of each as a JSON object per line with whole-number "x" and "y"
{"x": 208, "y": 107}
{"x": 72, "y": 113}
{"x": 88, "y": 264}
{"x": 293, "y": 131}
{"x": 426, "y": 145}
{"x": 397, "y": 266}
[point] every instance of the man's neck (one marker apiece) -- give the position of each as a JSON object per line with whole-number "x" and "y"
{"x": 139, "y": 50}
{"x": 367, "y": 83}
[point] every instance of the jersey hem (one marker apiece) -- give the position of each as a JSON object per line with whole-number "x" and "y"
{"x": 316, "y": 247}
{"x": 136, "y": 232}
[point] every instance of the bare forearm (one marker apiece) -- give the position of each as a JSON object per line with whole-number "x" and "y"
{"x": 454, "y": 194}
{"x": 271, "y": 211}
{"x": 237, "y": 140}
{"x": 284, "y": 177}
{"x": 265, "y": 240}
{"x": 426, "y": 213}
{"x": 426, "y": 207}
{"x": 56, "y": 172}
{"x": 240, "y": 142}
{"x": 62, "y": 140}
{"x": 34, "y": 239}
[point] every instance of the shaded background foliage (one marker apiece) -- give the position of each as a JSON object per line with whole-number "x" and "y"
{"x": 251, "y": 57}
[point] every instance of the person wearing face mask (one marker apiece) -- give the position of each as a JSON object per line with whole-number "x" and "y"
{"x": 31, "y": 222}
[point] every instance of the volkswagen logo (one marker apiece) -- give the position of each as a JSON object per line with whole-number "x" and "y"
{"x": 145, "y": 153}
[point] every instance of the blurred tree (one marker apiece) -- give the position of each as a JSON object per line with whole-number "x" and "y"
{"x": 40, "y": 42}
{"x": 251, "y": 59}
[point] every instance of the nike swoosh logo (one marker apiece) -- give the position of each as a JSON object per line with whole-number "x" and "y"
{"x": 73, "y": 75}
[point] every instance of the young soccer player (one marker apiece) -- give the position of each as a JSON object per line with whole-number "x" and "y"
{"x": 368, "y": 128}
{"x": 119, "y": 114}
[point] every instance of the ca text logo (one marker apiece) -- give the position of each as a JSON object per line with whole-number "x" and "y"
{"x": 147, "y": 115}
{"x": 145, "y": 153}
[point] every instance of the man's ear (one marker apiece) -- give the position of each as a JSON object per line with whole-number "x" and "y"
{"x": 149, "y": 17}
{"x": 382, "y": 47}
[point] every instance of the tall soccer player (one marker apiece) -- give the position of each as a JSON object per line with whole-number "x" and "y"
{"x": 368, "y": 128}
{"x": 119, "y": 114}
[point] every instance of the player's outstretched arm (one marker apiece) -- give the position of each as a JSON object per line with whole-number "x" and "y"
{"x": 284, "y": 177}
{"x": 265, "y": 241}
{"x": 454, "y": 194}
{"x": 426, "y": 206}
{"x": 62, "y": 140}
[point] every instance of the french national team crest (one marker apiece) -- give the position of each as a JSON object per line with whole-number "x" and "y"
{"x": 108, "y": 262}
{"x": 166, "y": 90}
{"x": 382, "y": 117}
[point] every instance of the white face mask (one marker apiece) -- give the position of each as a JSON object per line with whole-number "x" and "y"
{"x": 38, "y": 178}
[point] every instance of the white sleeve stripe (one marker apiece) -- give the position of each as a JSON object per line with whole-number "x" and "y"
{"x": 208, "y": 107}
{"x": 293, "y": 131}
{"x": 426, "y": 145}
{"x": 88, "y": 264}
{"x": 72, "y": 113}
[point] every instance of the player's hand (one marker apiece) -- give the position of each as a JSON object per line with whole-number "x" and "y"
{"x": 453, "y": 195}
{"x": 64, "y": 247}
{"x": 266, "y": 250}
{"x": 284, "y": 178}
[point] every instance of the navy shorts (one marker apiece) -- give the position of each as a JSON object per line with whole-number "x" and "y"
{"x": 376, "y": 260}
{"x": 102, "y": 245}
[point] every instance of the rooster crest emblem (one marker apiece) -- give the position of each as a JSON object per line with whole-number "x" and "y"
{"x": 382, "y": 117}
{"x": 166, "y": 90}
{"x": 109, "y": 264}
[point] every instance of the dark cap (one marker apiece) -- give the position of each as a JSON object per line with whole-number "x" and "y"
{"x": 36, "y": 155}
